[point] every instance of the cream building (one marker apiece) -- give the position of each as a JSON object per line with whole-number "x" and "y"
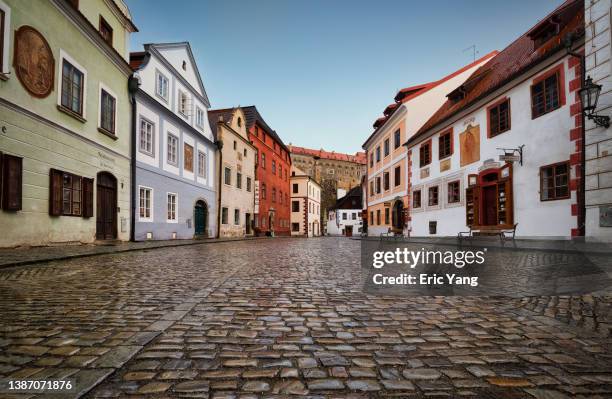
{"x": 237, "y": 172}
{"x": 305, "y": 205}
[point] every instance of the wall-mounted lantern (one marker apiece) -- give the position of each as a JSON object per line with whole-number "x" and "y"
{"x": 589, "y": 95}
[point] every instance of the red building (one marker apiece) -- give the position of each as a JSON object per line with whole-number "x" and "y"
{"x": 272, "y": 171}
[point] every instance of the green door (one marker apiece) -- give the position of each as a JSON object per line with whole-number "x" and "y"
{"x": 200, "y": 218}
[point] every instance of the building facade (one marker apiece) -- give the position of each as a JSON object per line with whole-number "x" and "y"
{"x": 305, "y": 204}
{"x": 65, "y": 121}
{"x": 333, "y": 170}
{"x": 175, "y": 152}
{"x": 237, "y": 172}
{"x": 345, "y": 217}
{"x": 272, "y": 170}
{"x": 387, "y": 158}
{"x": 598, "y": 139}
{"x": 502, "y": 151}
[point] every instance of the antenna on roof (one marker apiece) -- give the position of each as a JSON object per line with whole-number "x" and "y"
{"x": 474, "y": 51}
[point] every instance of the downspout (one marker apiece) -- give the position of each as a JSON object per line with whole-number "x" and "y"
{"x": 219, "y": 186}
{"x": 133, "y": 85}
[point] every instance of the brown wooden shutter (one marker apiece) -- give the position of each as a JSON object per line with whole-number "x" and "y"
{"x": 55, "y": 193}
{"x": 88, "y": 197}
{"x": 477, "y": 205}
{"x": 509, "y": 202}
{"x": 12, "y": 172}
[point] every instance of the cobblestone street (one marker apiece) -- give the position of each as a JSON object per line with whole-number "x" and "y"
{"x": 279, "y": 318}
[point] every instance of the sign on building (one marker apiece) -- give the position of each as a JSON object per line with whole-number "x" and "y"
{"x": 256, "y": 209}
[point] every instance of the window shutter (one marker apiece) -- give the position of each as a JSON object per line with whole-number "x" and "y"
{"x": 55, "y": 193}
{"x": 12, "y": 168}
{"x": 88, "y": 196}
{"x": 509, "y": 202}
{"x": 476, "y": 206}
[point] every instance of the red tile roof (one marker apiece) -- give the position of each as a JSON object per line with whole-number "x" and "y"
{"x": 514, "y": 60}
{"x": 136, "y": 59}
{"x": 359, "y": 157}
{"x": 409, "y": 93}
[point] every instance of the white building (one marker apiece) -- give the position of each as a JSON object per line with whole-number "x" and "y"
{"x": 598, "y": 139}
{"x": 305, "y": 205}
{"x": 524, "y": 98}
{"x": 344, "y": 218}
{"x": 387, "y": 161}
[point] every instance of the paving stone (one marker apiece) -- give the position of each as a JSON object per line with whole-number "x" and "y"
{"x": 291, "y": 387}
{"x": 256, "y": 386}
{"x": 192, "y": 386}
{"x": 398, "y": 385}
{"x": 509, "y": 382}
{"x": 421, "y": 374}
{"x": 325, "y": 385}
{"x": 154, "y": 387}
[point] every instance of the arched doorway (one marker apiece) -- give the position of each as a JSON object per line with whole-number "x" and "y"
{"x": 106, "y": 208}
{"x": 397, "y": 215}
{"x": 200, "y": 217}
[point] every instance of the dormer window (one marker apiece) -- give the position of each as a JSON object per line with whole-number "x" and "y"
{"x": 544, "y": 31}
{"x": 106, "y": 31}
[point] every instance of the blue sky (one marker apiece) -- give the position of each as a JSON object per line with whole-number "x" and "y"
{"x": 321, "y": 72}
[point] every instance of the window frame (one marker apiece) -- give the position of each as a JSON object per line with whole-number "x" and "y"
{"x": 168, "y": 210}
{"x": 397, "y": 139}
{"x": 227, "y": 175}
{"x": 82, "y": 115}
{"x": 397, "y": 176}
{"x": 179, "y": 106}
{"x": 420, "y": 196}
{"x": 560, "y": 73}
{"x": 429, "y": 196}
{"x": 554, "y": 178}
{"x": 103, "y": 23}
{"x": 448, "y": 192}
{"x": 442, "y": 153}
{"x": 145, "y": 218}
{"x": 236, "y": 217}
{"x": 174, "y": 137}
{"x": 386, "y": 181}
{"x": 152, "y": 124}
{"x": 199, "y": 117}
{"x": 293, "y": 205}
{"x": 386, "y": 147}
{"x": 224, "y": 215}
{"x": 159, "y": 74}
{"x": 109, "y": 132}
{"x": 202, "y": 169}
{"x": 496, "y": 106}
{"x": 424, "y": 145}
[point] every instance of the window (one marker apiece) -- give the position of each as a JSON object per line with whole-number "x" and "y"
{"x": 263, "y": 221}
{"x": 354, "y": 216}
{"x": 372, "y": 187}
{"x": 201, "y": 164}
{"x": 182, "y": 103}
{"x": 386, "y": 180}
{"x": 171, "y": 217}
{"x": 224, "y": 215}
{"x": 295, "y": 227}
{"x": 227, "y": 176}
{"x": 425, "y": 154}
{"x": 11, "y": 180}
{"x": 248, "y": 184}
{"x": 554, "y": 182}
{"x": 372, "y": 217}
{"x": 72, "y": 88}
{"x": 454, "y": 195}
{"x": 371, "y": 160}
{"x": 161, "y": 86}
{"x": 445, "y": 145}
{"x": 378, "y": 217}
{"x": 499, "y": 118}
{"x": 386, "y": 215}
{"x": 235, "y": 145}
{"x": 397, "y": 139}
{"x": 416, "y": 199}
{"x": 172, "y": 149}
{"x": 378, "y": 154}
{"x": 237, "y": 217}
{"x": 239, "y": 122}
{"x": 397, "y": 176}
{"x": 295, "y": 206}
{"x": 263, "y": 191}
{"x": 344, "y": 216}
{"x": 146, "y": 136}
{"x": 239, "y": 180}
{"x": 545, "y": 95}
{"x": 245, "y": 152}
{"x": 106, "y": 31}
{"x": 107, "y": 111}
{"x": 386, "y": 147}
{"x": 199, "y": 119}
{"x": 274, "y": 166}
{"x": 295, "y": 188}
{"x": 188, "y": 161}
{"x": 263, "y": 160}
{"x": 273, "y": 194}
{"x": 146, "y": 198}
{"x": 378, "y": 185}
{"x": 433, "y": 196}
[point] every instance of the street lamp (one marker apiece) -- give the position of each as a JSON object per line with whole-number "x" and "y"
{"x": 589, "y": 95}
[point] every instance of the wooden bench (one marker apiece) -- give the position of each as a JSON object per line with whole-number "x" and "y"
{"x": 503, "y": 233}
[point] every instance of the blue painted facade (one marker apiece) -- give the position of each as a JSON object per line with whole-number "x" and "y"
{"x": 176, "y": 154}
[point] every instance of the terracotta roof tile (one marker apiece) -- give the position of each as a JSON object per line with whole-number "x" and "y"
{"x": 515, "y": 59}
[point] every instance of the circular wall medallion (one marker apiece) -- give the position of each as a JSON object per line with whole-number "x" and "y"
{"x": 33, "y": 61}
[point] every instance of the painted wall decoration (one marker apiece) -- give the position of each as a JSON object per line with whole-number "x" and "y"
{"x": 445, "y": 165}
{"x": 33, "y": 61}
{"x": 469, "y": 143}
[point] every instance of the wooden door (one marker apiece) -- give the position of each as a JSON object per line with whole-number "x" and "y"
{"x": 348, "y": 230}
{"x": 489, "y": 205}
{"x": 200, "y": 218}
{"x": 106, "y": 215}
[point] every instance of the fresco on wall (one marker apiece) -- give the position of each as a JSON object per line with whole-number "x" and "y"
{"x": 469, "y": 142}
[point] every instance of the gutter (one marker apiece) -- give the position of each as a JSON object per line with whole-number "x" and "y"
{"x": 133, "y": 87}
{"x": 220, "y": 182}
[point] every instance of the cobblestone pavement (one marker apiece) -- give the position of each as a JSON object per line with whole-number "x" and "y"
{"x": 278, "y": 318}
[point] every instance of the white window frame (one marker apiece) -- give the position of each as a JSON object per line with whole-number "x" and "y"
{"x": 175, "y": 220}
{"x": 144, "y": 151}
{"x": 237, "y": 212}
{"x": 6, "y": 50}
{"x": 144, "y": 218}
{"x": 159, "y": 74}
{"x": 64, "y": 56}
{"x": 104, "y": 87}
{"x": 202, "y": 164}
{"x": 176, "y": 152}
{"x": 199, "y": 117}
{"x": 179, "y": 107}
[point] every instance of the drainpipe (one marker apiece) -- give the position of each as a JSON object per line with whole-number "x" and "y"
{"x": 306, "y": 205}
{"x": 220, "y": 182}
{"x": 133, "y": 85}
